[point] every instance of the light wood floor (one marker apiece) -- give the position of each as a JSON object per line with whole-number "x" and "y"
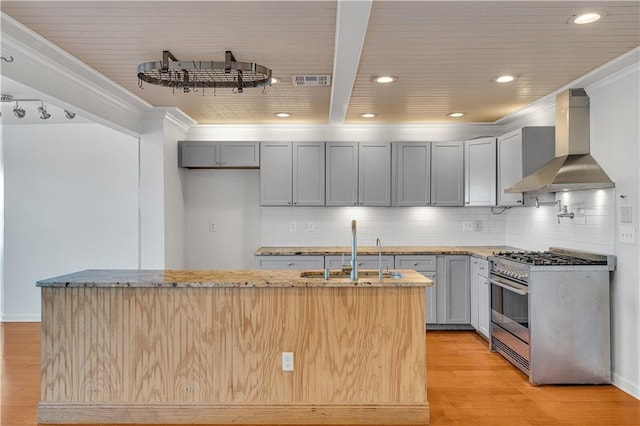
{"x": 467, "y": 385}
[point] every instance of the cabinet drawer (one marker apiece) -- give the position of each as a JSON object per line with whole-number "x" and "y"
{"x": 364, "y": 262}
{"x": 290, "y": 262}
{"x": 417, "y": 263}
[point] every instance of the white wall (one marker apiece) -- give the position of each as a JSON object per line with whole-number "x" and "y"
{"x": 71, "y": 200}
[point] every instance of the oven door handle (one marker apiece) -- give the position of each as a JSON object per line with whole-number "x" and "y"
{"x": 516, "y": 288}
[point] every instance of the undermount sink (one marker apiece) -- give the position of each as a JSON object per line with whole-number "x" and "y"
{"x": 346, "y": 274}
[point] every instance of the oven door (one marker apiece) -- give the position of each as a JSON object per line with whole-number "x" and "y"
{"x": 510, "y": 306}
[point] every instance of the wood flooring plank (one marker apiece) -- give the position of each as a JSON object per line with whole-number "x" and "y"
{"x": 460, "y": 391}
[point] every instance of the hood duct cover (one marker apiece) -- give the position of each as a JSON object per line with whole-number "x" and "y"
{"x": 573, "y": 168}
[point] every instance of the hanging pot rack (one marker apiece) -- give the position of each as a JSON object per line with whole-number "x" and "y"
{"x": 187, "y": 75}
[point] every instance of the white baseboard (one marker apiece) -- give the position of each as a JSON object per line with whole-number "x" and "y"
{"x": 20, "y": 318}
{"x": 626, "y": 385}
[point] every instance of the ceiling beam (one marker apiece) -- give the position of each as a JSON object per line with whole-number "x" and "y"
{"x": 351, "y": 27}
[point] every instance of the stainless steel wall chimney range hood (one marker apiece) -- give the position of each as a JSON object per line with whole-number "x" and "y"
{"x": 573, "y": 168}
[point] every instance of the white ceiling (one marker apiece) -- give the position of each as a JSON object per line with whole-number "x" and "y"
{"x": 444, "y": 54}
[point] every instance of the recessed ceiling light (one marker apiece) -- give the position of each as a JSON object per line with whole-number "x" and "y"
{"x": 504, "y": 79}
{"x": 367, "y": 115}
{"x": 384, "y": 79}
{"x": 455, "y": 114}
{"x": 585, "y": 18}
{"x": 282, "y": 114}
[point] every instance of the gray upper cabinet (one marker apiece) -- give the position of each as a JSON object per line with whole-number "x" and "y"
{"x": 480, "y": 172}
{"x": 308, "y": 173}
{"x": 374, "y": 174}
{"x": 520, "y": 153}
{"x": 411, "y": 173}
{"x": 292, "y": 173}
{"x": 447, "y": 173}
{"x": 276, "y": 174}
{"x": 341, "y": 174}
{"x": 214, "y": 154}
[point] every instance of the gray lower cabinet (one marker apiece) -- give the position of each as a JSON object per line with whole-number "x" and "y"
{"x": 484, "y": 303}
{"x": 480, "y": 308}
{"x": 290, "y": 262}
{"x": 447, "y": 173}
{"x": 453, "y": 291}
{"x": 364, "y": 262}
{"x": 426, "y": 265}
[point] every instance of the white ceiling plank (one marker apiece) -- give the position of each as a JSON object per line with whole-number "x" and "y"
{"x": 351, "y": 27}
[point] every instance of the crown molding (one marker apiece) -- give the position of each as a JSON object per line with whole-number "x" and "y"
{"x": 40, "y": 64}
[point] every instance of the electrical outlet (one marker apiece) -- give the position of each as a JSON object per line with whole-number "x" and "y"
{"x": 477, "y": 225}
{"x": 287, "y": 361}
{"x": 627, "y": 234}
{"x": 292, "y": 226}
{"x": 212, "y": 227}
{"x": 467, "y": 226}
{"x": 311, "y": 226}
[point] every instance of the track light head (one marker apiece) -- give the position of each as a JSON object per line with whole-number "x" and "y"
{"x": 19, "y": 111}
{"x": 44, "y": 115}
{"x": 70, "y": 115}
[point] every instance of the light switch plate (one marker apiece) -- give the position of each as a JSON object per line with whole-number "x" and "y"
{"x": 627, "y": 234}
{"x": 292, "y": 226}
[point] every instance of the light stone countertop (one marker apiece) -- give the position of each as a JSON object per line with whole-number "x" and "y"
{"x": 220, "y": 278}
{"x": 478, "y": 251}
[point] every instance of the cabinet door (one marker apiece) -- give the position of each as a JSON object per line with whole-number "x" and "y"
{"x": 308, "y": 173}
{"x": 290, "y": 262}
{"x": 456, "y": 294}
{"x": 430, "y": 299}
{"x": 275, "y": 174}
{"x": 509, "y": 167}
{"x": 447, "y": 174}
{"x": 239, "y": 154}
{"x": 412, "y": 174}
{"x": 197, "y": 154}
{"x": 480, "y": 172}
{"x": 374, "y": 174}
{"x": 484, "y": 308}
{"x": 475, "y": 283}
{"x": 342, "y": 174}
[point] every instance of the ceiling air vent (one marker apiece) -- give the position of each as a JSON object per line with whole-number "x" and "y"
{"x": 312, "y": 80}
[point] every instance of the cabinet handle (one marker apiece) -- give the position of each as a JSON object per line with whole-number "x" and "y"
{"x": 415, "y": 264}
{"x": 519, "y": 201}
{"x": 290, "y": 264}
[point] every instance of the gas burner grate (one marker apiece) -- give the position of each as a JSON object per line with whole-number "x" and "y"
{"x": 547, "y": 258}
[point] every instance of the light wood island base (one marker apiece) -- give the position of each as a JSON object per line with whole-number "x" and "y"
{"x": 212, "y": 355}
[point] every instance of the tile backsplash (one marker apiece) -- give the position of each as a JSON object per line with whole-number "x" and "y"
{"x": 525, "y": 227}
{"x": 328, "y": 226}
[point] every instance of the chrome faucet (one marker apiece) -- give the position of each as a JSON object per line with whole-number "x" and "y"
{"x": 564, "y": 212}
{"x": 354, "y": 252}
{"x": 379, "y": 245}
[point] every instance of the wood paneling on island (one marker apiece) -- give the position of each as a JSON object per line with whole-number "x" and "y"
{"x": 213, "y": 355}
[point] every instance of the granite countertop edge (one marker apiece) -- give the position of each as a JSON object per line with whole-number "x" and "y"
{"x": 134, "y": 278}
{"x": 482, "y": 252}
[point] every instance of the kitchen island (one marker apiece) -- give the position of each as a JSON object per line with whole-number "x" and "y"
{"x": 205, "y": 347}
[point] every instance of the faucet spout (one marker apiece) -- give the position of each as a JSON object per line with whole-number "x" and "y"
{"x": 354, "y": 252}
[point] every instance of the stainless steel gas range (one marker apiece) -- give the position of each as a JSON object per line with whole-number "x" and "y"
{"x": 550, "y": 314}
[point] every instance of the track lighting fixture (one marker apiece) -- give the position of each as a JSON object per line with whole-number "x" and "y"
{"x": 19, "y": 111}
{"x": 44, "y": 115}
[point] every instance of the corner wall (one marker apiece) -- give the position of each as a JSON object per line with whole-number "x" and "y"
{"x": 71, "y": 203}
